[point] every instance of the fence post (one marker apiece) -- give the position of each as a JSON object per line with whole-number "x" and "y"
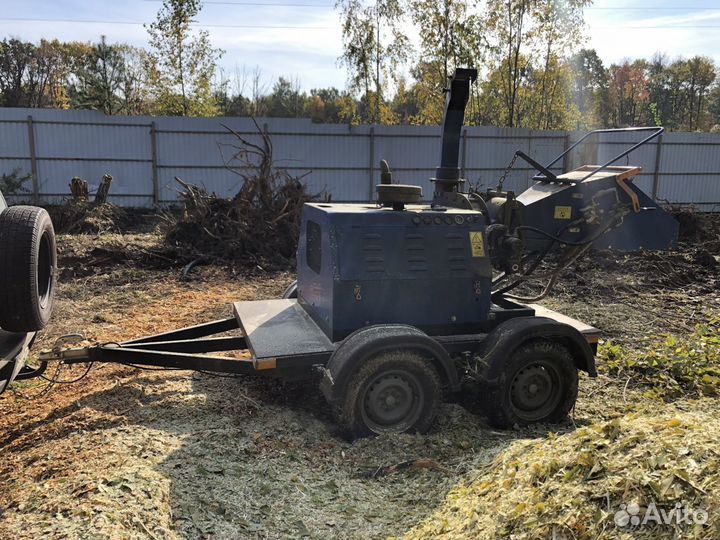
{"x": 656, "y": 172}
{"x": 566, "y": 145}
{"x": 155, "y": 177}
{"x": 464, "y": 152}
{"x": 33, "y": 161}
{"x": 371, "y": 165}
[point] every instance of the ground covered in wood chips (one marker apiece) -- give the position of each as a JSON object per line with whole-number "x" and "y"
{"x": 130, "y": 453}
{"x": 572, "y": 485}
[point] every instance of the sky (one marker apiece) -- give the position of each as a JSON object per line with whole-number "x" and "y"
{"x": 302, "y": 38}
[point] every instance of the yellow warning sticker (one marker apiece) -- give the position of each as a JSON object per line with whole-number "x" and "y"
{"x": 563, "y": 212}
{"x": 477, "y": 244}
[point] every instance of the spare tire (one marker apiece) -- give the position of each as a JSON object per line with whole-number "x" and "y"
{"x": 28, "y": 268}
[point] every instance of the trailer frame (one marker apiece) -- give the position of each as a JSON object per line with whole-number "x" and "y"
{"x": 191, "y": 348}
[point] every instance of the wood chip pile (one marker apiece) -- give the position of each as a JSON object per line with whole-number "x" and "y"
{"x": 574, "y": 485}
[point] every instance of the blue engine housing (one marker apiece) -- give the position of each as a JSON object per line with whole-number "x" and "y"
{"x": 360, "y": 265}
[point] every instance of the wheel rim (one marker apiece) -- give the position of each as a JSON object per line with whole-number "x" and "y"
{"x": 392, "y": 402}
{"x": 535, "y": 391}
{"x": 45, "y": 270}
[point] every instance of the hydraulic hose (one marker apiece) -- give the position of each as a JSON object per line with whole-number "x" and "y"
{"x": 553, "y": 275}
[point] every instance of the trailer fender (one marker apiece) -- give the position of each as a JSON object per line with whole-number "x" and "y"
{"x": 367, "y": 342}
{"x": 502, "y": 341}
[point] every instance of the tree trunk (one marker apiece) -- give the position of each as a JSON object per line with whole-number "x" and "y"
{"x": 78, "y": 189}
{"x": 511, "y": 79}
{"x": 102, "y": 193}
{"x": 544, "y": 109}
{"x": 377, "y": 66}
{"x": 181, "y": 75}
{"x": 446, "y": 51}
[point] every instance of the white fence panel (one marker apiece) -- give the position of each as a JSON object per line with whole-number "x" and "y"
{"x": 144, "y": 155}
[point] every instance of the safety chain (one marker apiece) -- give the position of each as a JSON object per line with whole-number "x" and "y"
{"x": 506, "y": 172}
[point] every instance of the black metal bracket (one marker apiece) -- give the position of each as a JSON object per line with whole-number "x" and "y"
{"x": 169, "y": 359}
{"x": 190, "y": 332}
{"x": 549, "y": 176}
{"x": 656, "y": 130}
{"x": 186, "y": 348}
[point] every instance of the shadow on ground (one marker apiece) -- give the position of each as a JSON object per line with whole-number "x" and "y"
{"x": 259, "y": 458}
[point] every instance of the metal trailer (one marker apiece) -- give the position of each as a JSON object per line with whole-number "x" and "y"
{"x": 397, "y": 301}
{"x": 280, "y": 340}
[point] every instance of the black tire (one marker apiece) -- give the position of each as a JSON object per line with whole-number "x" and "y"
{"x": 394, "y": 392}
{"x": 538, "y": 384}
{"x": 291, "y": 291}
{"x": 28, "y": 268}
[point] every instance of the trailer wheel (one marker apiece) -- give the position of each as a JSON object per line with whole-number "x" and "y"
{"x": 538, "y": 384}
{"x": 394, "y": 392}
{"x": 28, "y": 268}
{"x": 291, "y": 291}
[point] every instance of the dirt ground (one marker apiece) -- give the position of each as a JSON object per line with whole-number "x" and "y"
{"x": 130, "y": 453}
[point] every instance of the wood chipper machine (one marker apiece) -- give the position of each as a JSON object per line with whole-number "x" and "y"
{"x": 395, "y": 301}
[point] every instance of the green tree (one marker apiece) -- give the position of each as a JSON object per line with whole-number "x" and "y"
{"x": 448, "y": 39}
{"x": 233, "y": 105}
{"x": 373, "y": 48}
{"x": 182, "y": 63}
{"x": 405, "y": 104}
{"x": 286, "y": 100}
{"x": 428, "y": 92}
{"x": 134, "y": 93}
{"x": 99, "y": 73}
{"x": 714, "y": 108}
{"x": 552, "y": 20}
{"x": 701, "y": 74}
{"x": 445, "y": 30}
{"x": 16, "y": 61}
{"x": 589, "y": 89}
{"x": 325, "y": 105}
{"x": 110, "y": 78}
{"x": 507, "y": 22}
{"x": 659, "y": 89}
{"x": 72, "y": 74}
{"x": 525, "y": 41}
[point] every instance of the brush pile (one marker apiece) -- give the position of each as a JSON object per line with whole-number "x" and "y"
{"x": 700, "y": 229}
{"x": 259, "y": 226}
